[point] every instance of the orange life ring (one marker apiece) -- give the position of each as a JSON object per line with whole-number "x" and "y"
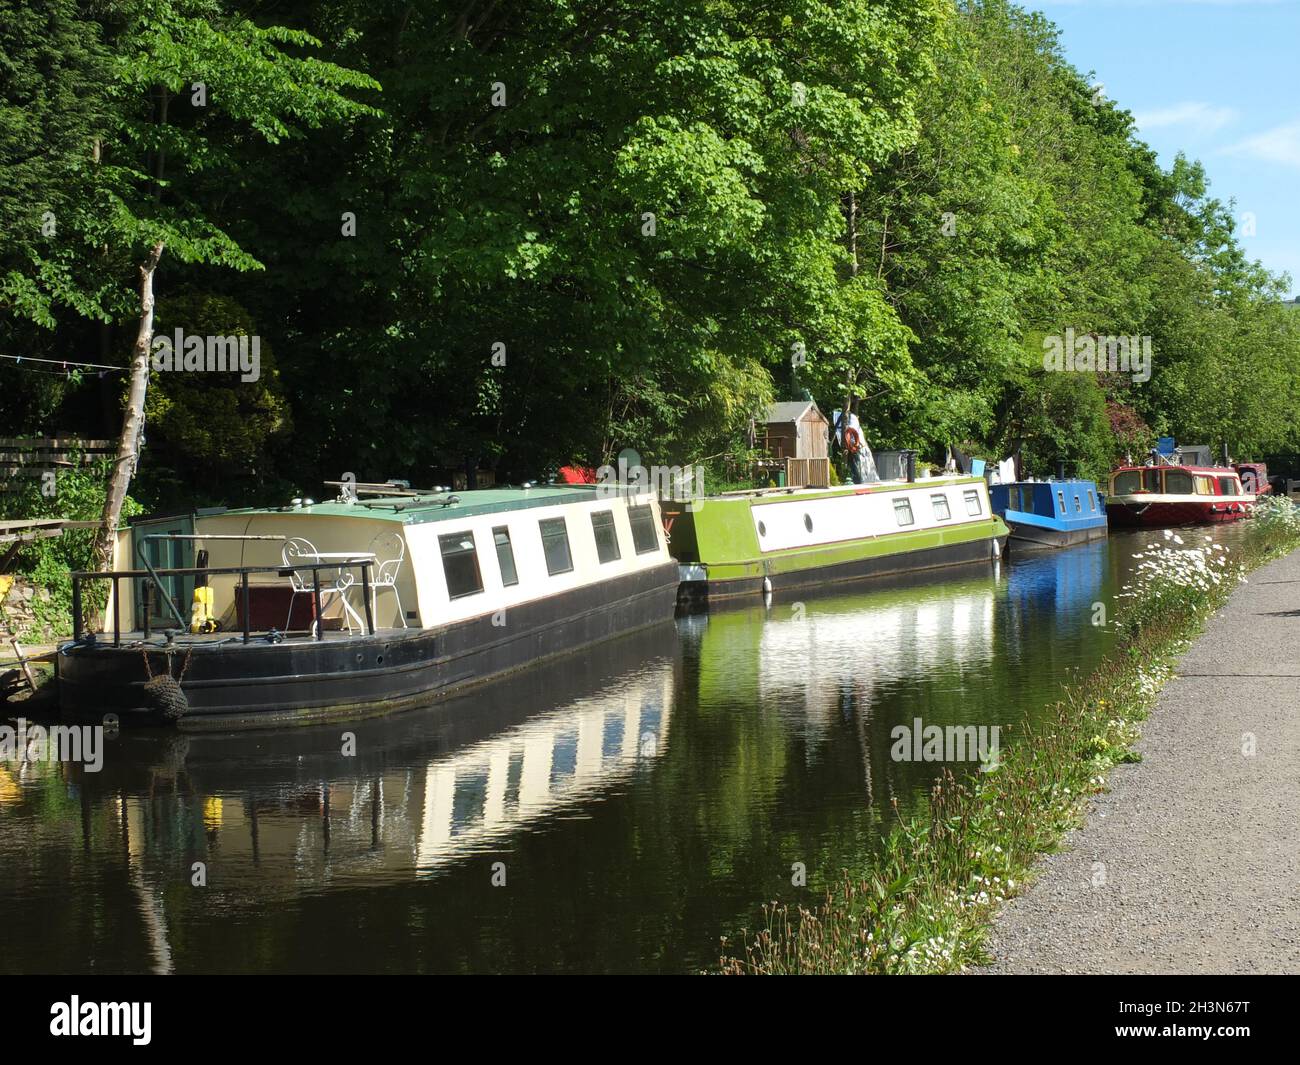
{"x": 852, "y": 440}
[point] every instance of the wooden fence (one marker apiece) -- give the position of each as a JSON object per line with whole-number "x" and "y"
{"x": 799, "y": 473}
{"x": 34, "y": 456}
{"x": 808, "y": 473}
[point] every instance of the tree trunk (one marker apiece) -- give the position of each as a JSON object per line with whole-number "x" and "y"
{"x": 851, "y": 235}
{"x": 128, "y": 445}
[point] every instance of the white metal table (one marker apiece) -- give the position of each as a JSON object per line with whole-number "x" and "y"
{"x": 344, "y": 581}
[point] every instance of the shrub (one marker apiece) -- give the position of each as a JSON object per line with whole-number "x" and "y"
{"x": 48, "y": 563}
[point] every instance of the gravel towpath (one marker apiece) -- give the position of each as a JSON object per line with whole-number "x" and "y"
{"x": 1191, "y": 862}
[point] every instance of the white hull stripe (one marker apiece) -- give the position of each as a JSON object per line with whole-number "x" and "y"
{"x": 1151, "y": 497}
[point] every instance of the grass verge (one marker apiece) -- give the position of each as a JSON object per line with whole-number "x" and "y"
{"x": 926, "y": 902}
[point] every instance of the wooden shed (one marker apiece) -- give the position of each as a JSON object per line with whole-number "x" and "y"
{"x": 796, "y": 438}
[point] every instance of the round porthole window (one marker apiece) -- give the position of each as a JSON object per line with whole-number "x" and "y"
{"x": 762, "y": 529}
{"x": 807, "y": 522}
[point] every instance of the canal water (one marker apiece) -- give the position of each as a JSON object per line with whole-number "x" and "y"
{"x": 614, "y": 812}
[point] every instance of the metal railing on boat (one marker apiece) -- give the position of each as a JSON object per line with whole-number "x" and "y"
{"x": 152, "y": 578}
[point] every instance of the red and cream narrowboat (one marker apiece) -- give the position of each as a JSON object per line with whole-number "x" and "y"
{"x": 1176, "y": 495}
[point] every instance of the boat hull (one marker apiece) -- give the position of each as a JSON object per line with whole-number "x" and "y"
{"x": 703, "y": 591}
{"x": 235, "y": 685}
{"x": 1165, "y": 513}
{"x": 1029, "y": 537}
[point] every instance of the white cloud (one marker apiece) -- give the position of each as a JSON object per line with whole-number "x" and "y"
{"x": 1200, "y": 117}
{"x": 1281, "y": 144}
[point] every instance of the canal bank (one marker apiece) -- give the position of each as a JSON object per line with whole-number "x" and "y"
{"x": 1190, "y": 863}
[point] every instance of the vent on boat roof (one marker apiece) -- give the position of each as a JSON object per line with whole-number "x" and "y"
{"x": 416, "y": 501}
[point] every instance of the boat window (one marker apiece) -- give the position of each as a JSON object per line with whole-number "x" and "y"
{"x": 1205, "y": 486}
{"x": 460, "y": 564}
{"x": 940, "y": 504}
{"x": 1092, "y": 501}
{"x": 555, "y": 544}
{"x": 903, "y": 511}
{"x": 973, "y": 503}
{"x": 1127, "y": 483}
{"x": 762, "y": 528}
{"x": 505, "y": 556}
{"x": 1228, "y": 486}
{"x": 602, "y": 525}
{"x": 645, "y": 536}
{"x": 1060, "y": 498}
{"x": 1178, "y": 483}
{"x": 807, "y": 522}
{"x": 1078, "y": 505}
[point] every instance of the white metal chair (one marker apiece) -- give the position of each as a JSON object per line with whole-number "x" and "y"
{"x": 390, "y": 552}
{"x": 299, "y": 556}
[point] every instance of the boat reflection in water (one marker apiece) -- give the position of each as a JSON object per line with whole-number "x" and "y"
{"x": 1063, "y": 590}
{"x": 864, "y": 662}
{"x": 482, "y": 794}
{"x": 295, "y": 810}
{"x": 974, "y": 647}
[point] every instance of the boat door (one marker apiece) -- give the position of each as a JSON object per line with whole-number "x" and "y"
{"x": 164, "y": 554}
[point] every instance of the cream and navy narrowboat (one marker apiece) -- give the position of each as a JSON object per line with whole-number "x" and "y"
{"x": 747, "y": 543}
{"x": 364, "y": 604}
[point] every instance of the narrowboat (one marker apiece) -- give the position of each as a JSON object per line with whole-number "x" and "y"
{"x": 1255, "y": 479}
{"x": 1162, "y": 495}
{"x": 376, "y": 600}
{"x": 748, "y": 543}
{"x": 1049, "y": 514}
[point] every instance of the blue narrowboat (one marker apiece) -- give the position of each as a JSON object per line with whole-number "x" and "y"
{"x": 1048, "y": 514}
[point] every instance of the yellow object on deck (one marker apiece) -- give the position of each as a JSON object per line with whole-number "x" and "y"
{"x": 201, "y": 619}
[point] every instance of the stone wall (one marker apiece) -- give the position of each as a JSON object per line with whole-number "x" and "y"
{"x": 18, "y": 605}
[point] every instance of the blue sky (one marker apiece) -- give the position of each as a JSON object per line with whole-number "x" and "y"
{"x": 1218, "y": 79}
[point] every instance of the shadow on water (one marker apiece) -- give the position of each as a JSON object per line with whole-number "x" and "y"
{"x": 617, "y": 810}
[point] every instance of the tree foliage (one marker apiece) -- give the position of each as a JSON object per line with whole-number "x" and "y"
{"x": 512, "y": 235}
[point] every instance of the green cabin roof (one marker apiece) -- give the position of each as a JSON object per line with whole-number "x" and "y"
{"x": 415, "y": 510}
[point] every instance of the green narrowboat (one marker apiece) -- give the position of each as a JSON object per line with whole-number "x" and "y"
{"x": 780, "y": 539}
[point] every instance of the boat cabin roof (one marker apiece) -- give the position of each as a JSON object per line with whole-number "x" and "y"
{"x": 1208, "y": 471}
{"x": 1053, "y": 481}
{"x": 848, "y": 489}
{"x": 441, "y": 506}
{"x": 1064, "y": 504}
